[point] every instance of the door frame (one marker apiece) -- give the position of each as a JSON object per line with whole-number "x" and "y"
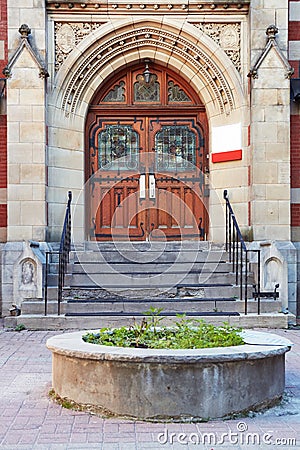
{"x": 123, "y": 111}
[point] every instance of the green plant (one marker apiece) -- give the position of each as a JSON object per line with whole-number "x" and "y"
{"x": 183, "y": 335}
{"x": 20, "y": 327}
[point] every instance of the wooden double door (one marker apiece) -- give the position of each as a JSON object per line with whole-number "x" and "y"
{"x": 147, "y": 177}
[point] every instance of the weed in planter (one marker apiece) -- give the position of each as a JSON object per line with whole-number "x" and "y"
{"x": 183, "y": 335}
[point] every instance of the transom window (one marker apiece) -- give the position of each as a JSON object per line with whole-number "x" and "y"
{"x": 137, "y": 87}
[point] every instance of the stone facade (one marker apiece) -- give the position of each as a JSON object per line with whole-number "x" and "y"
{"x": 233, "y": 54}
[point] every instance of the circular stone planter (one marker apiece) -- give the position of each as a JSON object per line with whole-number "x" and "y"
{"x": 146, "y": 383}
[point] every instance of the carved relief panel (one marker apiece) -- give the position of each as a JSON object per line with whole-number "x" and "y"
{"x": 68, "y": 35}
{"x": 228, "y": 36}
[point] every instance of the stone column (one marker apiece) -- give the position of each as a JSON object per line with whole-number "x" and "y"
{"x": 26, "y": 143}
{"x": 270, "y": 109}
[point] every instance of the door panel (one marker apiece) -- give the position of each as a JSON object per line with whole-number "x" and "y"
{"x": 115, "y": 148}
{"x": 179, "y": 153}
{"x": 145, "y": 178}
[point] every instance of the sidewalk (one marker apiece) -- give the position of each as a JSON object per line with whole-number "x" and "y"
{"x": 29, "y": 420}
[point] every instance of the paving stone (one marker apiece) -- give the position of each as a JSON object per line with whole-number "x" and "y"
{"x": 31, "y": 421}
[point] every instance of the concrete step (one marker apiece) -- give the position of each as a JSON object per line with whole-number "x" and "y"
{"x": 29, "y": 307}
{"x": 150, "y": 245}
{"x": 152, "y": 267}
{"x": 149, "y": 256}
{"x": 177, "y": 305}
{"x": 144, "y": 279}
{"x": 142, "y": 290}
{"x": 54, "y": 322}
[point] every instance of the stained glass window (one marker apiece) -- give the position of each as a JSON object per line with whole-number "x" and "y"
{"x": 175, "y": 147}
{"x": 176, "y": 94}
{"x": 146, "y": 91}
{"x": 117, "y": 94}
{"x": 118, "y": 148}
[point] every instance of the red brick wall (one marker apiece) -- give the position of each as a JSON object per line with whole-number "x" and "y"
{"x": 294, "y": 35}
{"x": 3, "y": 127}
{"x": 295, "y": 151}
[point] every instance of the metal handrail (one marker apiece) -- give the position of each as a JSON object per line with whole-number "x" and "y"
{"x": 239, "y": 255}
{"x": 63, "y": 257}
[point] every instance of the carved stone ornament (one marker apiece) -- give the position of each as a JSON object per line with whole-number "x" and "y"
{"x": 271, "y": 32}
{"x": 227, "y": 36}
{"x": 28, "y": 274}
{"x": 167, "y": 41}
{"x": 25, "y": 31}
{"x": 68, "y": 35}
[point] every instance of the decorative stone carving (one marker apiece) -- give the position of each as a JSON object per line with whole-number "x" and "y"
{"x": 134, "y": 39}
{"x": 28, "y": 274}
{"x": 228, "y": 36}
{"x": 24, "y": 42}
{"x": 68, "y": 35}
{"x": 271, "y": 33}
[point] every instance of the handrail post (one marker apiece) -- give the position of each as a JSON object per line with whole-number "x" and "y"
{"x": 258, "y": 282}
{"x": 226, "y": 219}
{"x": 241, "y": 274}
{"x": 246, "y": 283}
{"x": 59, "y": 290}
{"x": 229, "y": 237}
{"x": 46, "y": 283}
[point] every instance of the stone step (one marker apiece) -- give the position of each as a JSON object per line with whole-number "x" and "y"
{"x": 177, "y": 305}
{"x": 138, "y": 280}
{"x": 146, "y": 245}
{"x": 29, "y": 307}
{"x": 62, "y": 322}
{"x": 151, "y": 267}
{"x": 140, "y": 290}
{"x": 150, "y": 256}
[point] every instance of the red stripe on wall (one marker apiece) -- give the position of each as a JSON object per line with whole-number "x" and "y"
{"x": 295, "y": 66}
{"x": 3, "y": 215}
{"x": 233, "y": 155}
{"x": 294, "y": 31}
{"x": 295, "y": 213}
{"x": 295, "y": 151}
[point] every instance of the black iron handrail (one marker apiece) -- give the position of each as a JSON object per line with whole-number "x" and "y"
{"x": 63, "y": 256}
{"x": 239, "y": 255}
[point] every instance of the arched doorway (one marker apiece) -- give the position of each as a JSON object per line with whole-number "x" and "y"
{"x": 146, "y": 158}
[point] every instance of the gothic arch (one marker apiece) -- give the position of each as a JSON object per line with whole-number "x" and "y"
{"x": 183, "y": 48}
{"x": 188, "y": 51}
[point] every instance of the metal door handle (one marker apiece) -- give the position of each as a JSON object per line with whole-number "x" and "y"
{"x": 142, "y": 186}
{"x": 152, "y": 187}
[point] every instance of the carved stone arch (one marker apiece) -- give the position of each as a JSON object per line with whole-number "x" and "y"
{"x": 196, "y": 57}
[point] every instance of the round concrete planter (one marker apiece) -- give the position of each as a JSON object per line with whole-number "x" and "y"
{"x": 144, "y": 383}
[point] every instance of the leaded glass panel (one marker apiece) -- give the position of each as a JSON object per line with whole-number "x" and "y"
{"x": 176, "y": 94}
{"x": 175, "y": 147}
{"x": 118, "y": 148}
{"x": 117, "y": 94}
{"x": 146, "y": 91}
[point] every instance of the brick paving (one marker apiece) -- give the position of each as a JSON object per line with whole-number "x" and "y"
{"x": 30, "y": 420}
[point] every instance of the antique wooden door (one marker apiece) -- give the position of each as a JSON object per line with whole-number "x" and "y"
{"x": 146, "y": 160}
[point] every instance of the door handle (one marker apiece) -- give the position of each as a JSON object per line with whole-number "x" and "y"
{"x": 142, "y": 183}
{"x": 152, "y": 187}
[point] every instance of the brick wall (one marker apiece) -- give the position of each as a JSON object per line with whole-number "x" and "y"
{"x": 294, "y": 58}
{"x": 3, "y": 122}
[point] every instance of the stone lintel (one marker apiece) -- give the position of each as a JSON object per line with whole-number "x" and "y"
{"x": 173, "y": 6}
